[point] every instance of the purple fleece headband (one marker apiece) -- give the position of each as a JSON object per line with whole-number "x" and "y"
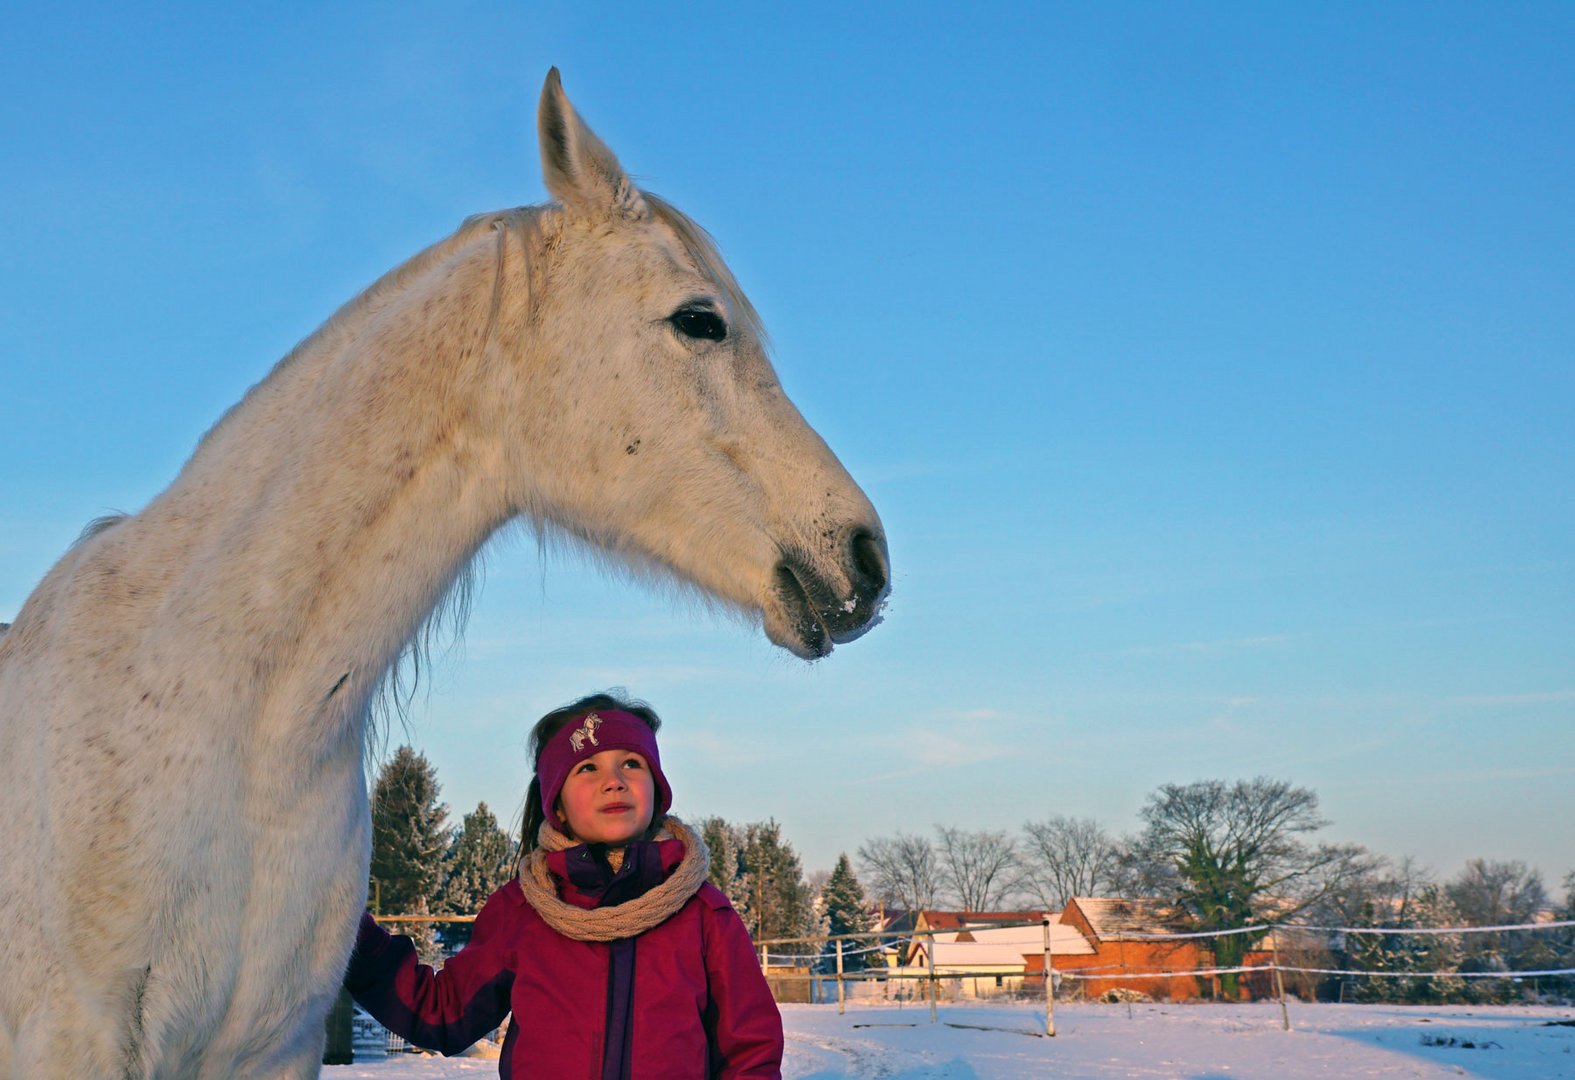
{"x": 603, "y": 729}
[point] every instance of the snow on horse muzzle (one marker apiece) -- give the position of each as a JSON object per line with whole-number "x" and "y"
{"x": 821, "y": 614}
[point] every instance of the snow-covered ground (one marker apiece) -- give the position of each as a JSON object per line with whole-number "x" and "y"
{"x": 1162, "y": 1042}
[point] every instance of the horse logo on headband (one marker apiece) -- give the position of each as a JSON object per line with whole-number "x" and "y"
{"x": 586, "y": 730}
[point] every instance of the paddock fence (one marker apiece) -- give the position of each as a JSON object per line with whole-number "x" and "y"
{"x": 1283, "y": 962}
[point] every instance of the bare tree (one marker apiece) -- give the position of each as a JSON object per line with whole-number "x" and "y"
{"x": 900, "y": 870}
{"x": 1494, "y": 893}
{"x": 1389, "y": 893}
{"x": 978, "y": 867}
{"x": 1501, "y": 893}
{"x": 1235, "y": 855}
{"x": 1066, "y": 857}
{"x": 1141, "y": 872}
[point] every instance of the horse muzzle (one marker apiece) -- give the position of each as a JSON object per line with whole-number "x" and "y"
{"x": 813, "y": 613}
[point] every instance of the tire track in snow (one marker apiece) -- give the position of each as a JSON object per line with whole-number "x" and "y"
{"x": 867, "y": 1060}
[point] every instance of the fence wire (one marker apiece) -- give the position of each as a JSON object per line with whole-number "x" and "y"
{"x": 814, "y": 964}
{"x": 903, "y": 942}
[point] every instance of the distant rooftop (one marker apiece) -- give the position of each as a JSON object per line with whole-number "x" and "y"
{"x": 999, "y": 946}
{"x": 1112, "y": 919}
{"x": 957, "y": 920}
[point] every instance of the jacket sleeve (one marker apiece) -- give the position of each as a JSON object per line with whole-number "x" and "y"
{"x": 445, "y": 1010}
{"x": 743, "y": 1025}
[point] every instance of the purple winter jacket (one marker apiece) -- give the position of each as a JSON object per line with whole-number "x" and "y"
{"x": 700, "y": 1006}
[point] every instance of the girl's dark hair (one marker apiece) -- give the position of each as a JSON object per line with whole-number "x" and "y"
{"x": 556, "y": 721}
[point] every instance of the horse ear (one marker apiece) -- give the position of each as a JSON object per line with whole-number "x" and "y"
{"x": 581, "y": 172}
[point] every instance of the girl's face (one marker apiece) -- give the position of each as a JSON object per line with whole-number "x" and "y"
{"x": 608, "y": 798}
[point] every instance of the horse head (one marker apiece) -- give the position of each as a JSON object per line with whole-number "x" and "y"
{"x": 658, "y": 429}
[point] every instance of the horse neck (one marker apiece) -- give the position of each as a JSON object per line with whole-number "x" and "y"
{"x": 322, "y": 521}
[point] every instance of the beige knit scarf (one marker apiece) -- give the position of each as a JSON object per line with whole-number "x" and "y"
{"x": 626, "y": 920}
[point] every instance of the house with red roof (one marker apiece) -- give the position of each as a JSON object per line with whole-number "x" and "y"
{"x": 1132, "y": 945}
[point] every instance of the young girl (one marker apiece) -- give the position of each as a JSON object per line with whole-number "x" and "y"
{"x": 617, "y": 958}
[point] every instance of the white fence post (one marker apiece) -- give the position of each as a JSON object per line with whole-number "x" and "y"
{"x": 1279, "y": 980}
{"x": 931, "y": 936}
{"x": 1049, "y": 984}
{"x": 840, "y": 1009}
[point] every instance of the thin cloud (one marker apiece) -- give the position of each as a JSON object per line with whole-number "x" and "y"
{"x": 1220, "y": 646}
{"x": 654, "y": 675}
{"x": 1543, "y": 698}
{"x": 717, "y": 749}
{"x": 1483, "y": 776}
{"x": 973, "y": 737}
{"x": 980, "y": 714}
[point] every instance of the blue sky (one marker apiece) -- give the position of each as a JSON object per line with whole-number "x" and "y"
{"x": 1212, "y": 368}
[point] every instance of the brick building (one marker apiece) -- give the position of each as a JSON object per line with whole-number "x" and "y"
{"x": 1120, "y": 934}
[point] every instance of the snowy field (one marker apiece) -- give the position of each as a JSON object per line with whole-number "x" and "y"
{"x": 1099, "y": 1042}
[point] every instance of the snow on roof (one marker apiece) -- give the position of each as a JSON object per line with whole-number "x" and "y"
{"x": 1112, "y": 919}
{"x": 984, "y": 947}
{"x": 953, "y": 920}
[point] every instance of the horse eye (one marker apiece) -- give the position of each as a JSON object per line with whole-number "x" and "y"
{"x": 699, "y": 323}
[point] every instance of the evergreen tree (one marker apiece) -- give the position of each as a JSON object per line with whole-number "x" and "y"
{"x": 846, "y": 912}
{"x": 480, "y": 860}
{"x": 774, "y": 901}
{"x": 1436, "y": 953}
{"x": 1563, "y": 944}
{"x": 409, "y": 835}
{"x": 1439, "y": 955}
{"x": 843, "y": 900}
{"x": 424, "y": 935}
{"x": 724, "y": 842}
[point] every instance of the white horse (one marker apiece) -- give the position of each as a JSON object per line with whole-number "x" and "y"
{"x": 184, "y": 698}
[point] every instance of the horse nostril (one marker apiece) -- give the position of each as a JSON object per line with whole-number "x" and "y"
{"x": 869, "y": 559}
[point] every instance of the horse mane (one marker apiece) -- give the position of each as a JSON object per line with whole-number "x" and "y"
{"x": 98, "y": 525}
{"x": 525, "y": 220}
{"x": 396, "y": 690}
